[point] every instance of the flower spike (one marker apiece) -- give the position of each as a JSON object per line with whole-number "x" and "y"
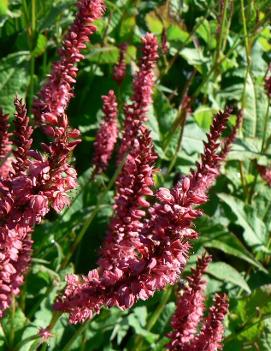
{"x": 48, "y": 106}
{"x": 211, "y": 336}
{"x": 190, "y": 307}
{"x": 120, "y": 68}
{"x": 107, "y": 134}
{"x": 156, "y": 249}
{"x": 136, "y": 111}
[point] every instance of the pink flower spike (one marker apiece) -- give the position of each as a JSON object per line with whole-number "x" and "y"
{"x": 119, "y": 69}
{"x": 133, "y": 184}
{"x": 48, "y": 106}
{"x": 208, "y": 168}
{"x": 136, "y": 111}
{"x": 107, "y": 134}
{"x": 211, "y": 336}
{"x": 190, "y": 307}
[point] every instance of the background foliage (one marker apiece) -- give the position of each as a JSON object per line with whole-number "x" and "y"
{"x": 218, "y": 54}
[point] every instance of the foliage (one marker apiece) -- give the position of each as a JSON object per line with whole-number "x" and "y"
{"x": 218, "y": 54}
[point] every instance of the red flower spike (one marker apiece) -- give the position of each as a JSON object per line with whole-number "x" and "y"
{"x": 190, "y": 308}
{"x": 107, "y": 134}
{"x": 22, "y": 138}
{"x": 211, "y": 336}
{"x": 48, "y": 106}
{"x": 136, "y": 111}
{"x": 119, "y": 69}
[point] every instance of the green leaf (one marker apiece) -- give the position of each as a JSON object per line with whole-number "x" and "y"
{"x": 250, "y": 108}
{"x": 135, "y": 323}
{"x": 175, "y": 33}
{"x": 206, "y": 30}
{"x": 193, "y": 138}
{"x": 255, "y": 106}
{"x": 194, "y": 57}
{"x": 227, "y": 273}
{"x": 40, "y": 46}
{"x": 141, "y": 314}
{"x": 215, "y": 235}
{"x": 164, "y": 319}
{"x": 13, "y": 79}
{"x": 154, "y": 23}
{"x": 3, "y": 7}
{"x": 254, "y": 229}
{"x": 18, "y": 323}
{"x": 108, "y": 54}
{"x": 204, "y": 116}
{"x": 127, "y": 27}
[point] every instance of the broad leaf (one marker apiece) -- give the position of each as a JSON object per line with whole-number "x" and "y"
{"x": 13, "y": 79}
{"x": 227, "y": 273}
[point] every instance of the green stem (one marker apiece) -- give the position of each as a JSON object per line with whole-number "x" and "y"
{"x": 32, "y": 61}
{"x": 33, "y": 16}
{"x": 174, "y": 58}
{"x": 243, "y": 181}
{"x": 77, "y": 333}
{"x": 246, "y": 327}
{"x": 154, "y": 317}
{"x": 55, "y": 317}
{"x": 221, "y": 36}
{"x": 35, "y": 345}
{"x": 25, "y": 341}
{"x": 212, "y": 70}
{"x": 245, "y": 31}
{"x": 32, "y": 80}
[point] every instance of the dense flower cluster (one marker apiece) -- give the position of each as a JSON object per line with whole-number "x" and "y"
{"x": 119, "y": 251}
{"x": 20, "y": 207}
{"x": 36, "y": 181}
{"x": 136, "y": 111}
{"x": 189, "y": 316}
{"x": 33, "y": 184}
{"x": 120, "y": 68}
{"x": 107, "y": 135}
{"x": 22, "y": 138}
{"x": 132, "y": 186}
{"x": 156, "y": 255}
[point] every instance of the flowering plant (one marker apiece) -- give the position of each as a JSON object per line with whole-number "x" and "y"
{"x": 134, "y": 136}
